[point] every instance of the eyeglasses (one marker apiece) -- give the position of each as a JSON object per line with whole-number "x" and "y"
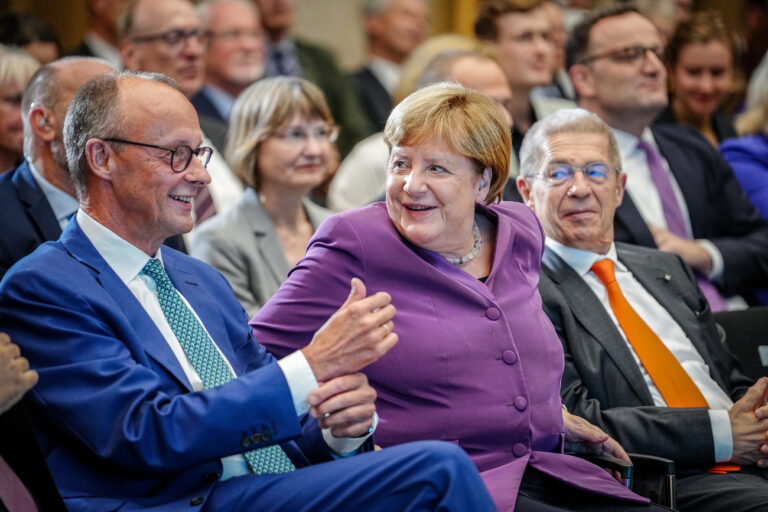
{"x": 628, "y": 55}
{"x": 174, "y": 38}
{"x": 560, "y": 174}
{"x": 181, "y": 155}
{"x": 229, "y": 36}
{"x": 299, "y": 136}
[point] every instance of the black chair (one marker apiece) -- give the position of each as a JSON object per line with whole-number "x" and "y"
{"x": 647, "y": 475}
{"x": 746, "y": 334}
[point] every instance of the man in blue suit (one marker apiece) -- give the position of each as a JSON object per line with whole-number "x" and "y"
{"x": 37, "y": 197}
{"x": 152, "y": 392}
{"x": 681, "y": 195}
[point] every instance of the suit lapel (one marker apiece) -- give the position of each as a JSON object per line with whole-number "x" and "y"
{"x": 152, "y": 341}
{"x": 38, "y": 208}
{"x": 591, "y": 315}
{"x": 630, "y": 225}
{"x": 267, "y": 242}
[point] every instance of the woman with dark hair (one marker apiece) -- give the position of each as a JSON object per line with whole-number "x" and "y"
{"x": 31, "y": 34}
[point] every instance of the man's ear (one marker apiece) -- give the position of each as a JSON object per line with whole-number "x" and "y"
{"x": 41, "y": 121}
{"x": 583, "y": 80}
{"x": 127, "y": 53}
{"x": 100, "y": 158}
{"x": 524, "y": 187}
{"x": 621, "y": 188}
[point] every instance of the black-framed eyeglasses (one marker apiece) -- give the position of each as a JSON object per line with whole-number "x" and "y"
{"x": 629, "y": 55}
{"x": 557, "y": 174}
{"x": 181, "y": 155}
{"x": 173, "y": 37}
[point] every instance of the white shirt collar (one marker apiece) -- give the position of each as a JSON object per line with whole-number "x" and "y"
{"x": 579, "y": 260}
{"x": 628, "y": 143}
{"x": 386, "y": 72}
{"x": 221, "y": 99}
{"x": 62, "y": 204}
{"x": 126, "y": 259}
{"x": 103, "y": 49}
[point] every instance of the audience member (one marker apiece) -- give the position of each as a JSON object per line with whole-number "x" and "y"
{"x": 362, "y": 175}
{"x": 281, "y": 140}
{"x": 682, "y": 196}
{"x": 479, "y": 363}
{"x": 37, "y": 196}
{"x": 16, "y": 66}
{"x": 521, "y": 31}
{"x": 700, "y": 66}
{"x": 560, "y": 86}
{"x": 101, "y": 38}
{"x": 643, "y": 357}
{"x": 166, "y": 36}
{"x": 31, "y": 34}
{"x": 662, "y": 13}
{"x": 290, "y": 56}
{"x": 157, "y": 395}
{"x": 27, "y": 485}
{"x": 234, "y": 58}
{"x": 394, "y": 29}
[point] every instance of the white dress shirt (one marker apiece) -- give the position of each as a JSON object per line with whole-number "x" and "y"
{"x": 642, "y": 189}
{"x": 62, "y": 204}
{"x": 127, "y": 261}
{"x": 666, "y": 328}
{"x": 386, "y": 72}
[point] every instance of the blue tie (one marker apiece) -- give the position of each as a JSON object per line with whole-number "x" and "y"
{"x": 206, "y": 360}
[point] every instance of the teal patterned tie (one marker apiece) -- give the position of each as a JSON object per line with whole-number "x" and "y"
{"x": 206, "y": 360}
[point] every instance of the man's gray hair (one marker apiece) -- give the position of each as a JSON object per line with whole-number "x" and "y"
{"x": 569, "y": 120}
{"x": 371, "y": 7}
{"x": 440, "y": 67}
{"x": 96, "y": 112}
{"x": 204, "y": 9}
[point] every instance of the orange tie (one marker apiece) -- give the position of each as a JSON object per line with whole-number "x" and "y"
{"x": 672, "y": 381}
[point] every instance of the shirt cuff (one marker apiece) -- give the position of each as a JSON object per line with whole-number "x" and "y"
{"x": 346, "y": 446}
{"x": 301, "y": 379}
{"x": 721, "y": 433}
{"x": 717, "y": 259}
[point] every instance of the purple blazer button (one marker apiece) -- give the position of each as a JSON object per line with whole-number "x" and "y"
{"x": 493, "y": 314}
{"x": 519, "y": 449}
{"x": 509, "y": 356}
{"x": 521, "y": 403}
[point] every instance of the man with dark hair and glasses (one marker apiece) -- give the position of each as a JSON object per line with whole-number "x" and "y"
{"x": 155, "y": 395}
{"x": 644, "y": 359}
{"x": 167, "y": 36}
{"x": 681, "y": 195}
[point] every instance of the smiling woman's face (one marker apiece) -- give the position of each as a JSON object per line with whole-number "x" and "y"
{"x": 431, "y": 196}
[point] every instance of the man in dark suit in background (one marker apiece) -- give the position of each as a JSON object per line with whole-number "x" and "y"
{"x": 234, "y": 58}
{"x": 619, "y": 325}
{"x": 682, "y": 196}
{"x": 394, "y": 28}
{"x": 38, "y": 197}
{"x": 101, "y": 39}
{"x": 290, "y": 56}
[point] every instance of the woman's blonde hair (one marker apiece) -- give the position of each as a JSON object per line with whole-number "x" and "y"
{"x": 260, "y": 110}
{"x": 16, "y": 67}
{"x": 469, "y": 123}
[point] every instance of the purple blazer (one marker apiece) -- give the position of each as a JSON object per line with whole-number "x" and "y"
{"x": 477, "y": 364}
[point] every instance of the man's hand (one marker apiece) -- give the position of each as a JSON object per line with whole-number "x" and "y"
{"x": 345, "y": 405}
{"x": 15, "y": 376}
{"x": 749, "y": 426}
{"x": 583, "y": 437}
{"x": 691, "y": 252}
{"x": 356, "y": 335}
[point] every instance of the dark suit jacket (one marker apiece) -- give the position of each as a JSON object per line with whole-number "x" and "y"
{"x": 602, "y": 382}
{"x": 19, "y": 448}
{"x": 719, "y": 210}
{"x": 119, "y": 423}
{"x": 319, "y": 67}
{"x": 26, "y": 218}
{"x": 82, "y": 50}
{"x": 375, "y": 99}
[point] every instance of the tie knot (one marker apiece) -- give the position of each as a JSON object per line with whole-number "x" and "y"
{"x": 155, "y": 270}
{"x": 603, "y": 269}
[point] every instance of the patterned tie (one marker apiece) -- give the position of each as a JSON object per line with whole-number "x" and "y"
{"x": 13, "y": 494}
{"x": 674, "y": 216}
{"x": 673, "y": 382}
{"x": 206, "y": 360}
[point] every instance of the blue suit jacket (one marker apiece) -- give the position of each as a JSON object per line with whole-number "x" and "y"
{"x": 119, "y": 424}
{"x": 718, "y": 208}
{"x": 26, "y": 217}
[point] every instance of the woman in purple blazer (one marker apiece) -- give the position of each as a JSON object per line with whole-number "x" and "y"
{"x": 478, "y": 363}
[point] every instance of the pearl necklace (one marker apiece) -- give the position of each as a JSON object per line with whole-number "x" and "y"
{"x": 475, "y": 249}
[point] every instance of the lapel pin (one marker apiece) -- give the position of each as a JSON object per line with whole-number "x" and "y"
{"x": 667, "y": 277}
